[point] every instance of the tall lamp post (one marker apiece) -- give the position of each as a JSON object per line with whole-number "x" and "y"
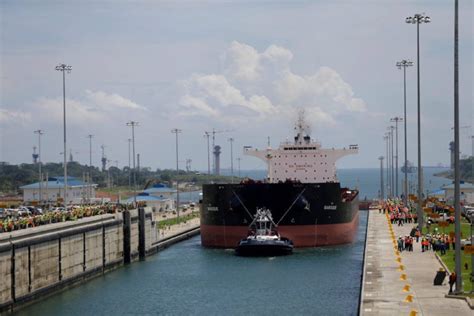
{"x": 207, "y": 134}
{"x": 40, "y": 175}
{"x": 382, "y": 193}
{"x": 90, "y": 166}
{"x": 238, "y": 161}
{"x": 418, "y": 19}
{"x": 231, "y": 140}
{"x": 405, "y": 63}
{"x": 129, "y": 167}
{"x": 64, "y": 68}
{"x": 132, "y": 124}
{"x": 177, "y": 131}
{"x": 457, "y": 176}
{"x": 386, "y": 138}
{"x": 396, "y": 120}
{"x": 392, "y": 175}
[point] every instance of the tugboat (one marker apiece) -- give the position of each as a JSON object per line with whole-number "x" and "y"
{"x": 263, "y": 238}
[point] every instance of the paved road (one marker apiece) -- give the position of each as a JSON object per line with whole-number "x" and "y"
{"x": 402, "y": 283}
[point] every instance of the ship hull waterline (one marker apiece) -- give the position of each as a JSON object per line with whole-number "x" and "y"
{"x": 219, "y": 236}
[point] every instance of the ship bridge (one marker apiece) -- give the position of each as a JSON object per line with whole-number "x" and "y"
{"x": 308, "y": 163}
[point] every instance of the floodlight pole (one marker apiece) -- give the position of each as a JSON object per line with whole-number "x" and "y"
{"x": 382, "y": 193}
{"x": 63, "y": 68}
{"x": 457, "y": 176}
{"x": 177, "y": 131}
{"x": 405, "y": 63}
{"x": 386, "y": 138}
{"x": 418, "y": 19}
{"x": 90, "y": 166}
{"x": 129, "y": 167}
{"x": 133, "y": 124}
{"x": 40, "y": 175}
{"x": 396, "y": 120}
{"x": 231, "y": 140}
{"x": 207, "y": 134}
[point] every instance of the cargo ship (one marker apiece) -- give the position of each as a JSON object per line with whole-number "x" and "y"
{"x": 308, "y": 204}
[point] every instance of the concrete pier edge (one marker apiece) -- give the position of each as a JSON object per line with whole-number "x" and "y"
{"x": 362, "y": 287}
{"x": 64, "y": 283}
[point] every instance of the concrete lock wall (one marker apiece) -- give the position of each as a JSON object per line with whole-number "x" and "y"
{"x": 44, "y": 259}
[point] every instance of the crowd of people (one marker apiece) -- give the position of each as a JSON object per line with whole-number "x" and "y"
{"x": 399, "y": 214}
{"x": 12, "y": 223}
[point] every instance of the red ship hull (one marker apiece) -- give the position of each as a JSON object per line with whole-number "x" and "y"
{"x": 219, "y": 236}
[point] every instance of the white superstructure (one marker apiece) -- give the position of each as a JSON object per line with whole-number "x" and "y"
{"x": 303, "y": 160}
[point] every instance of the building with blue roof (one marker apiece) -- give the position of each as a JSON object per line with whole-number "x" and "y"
{"x": 159, "y": 204}
{"x": 53, "y": 190}
{"x": 467, "y": 192}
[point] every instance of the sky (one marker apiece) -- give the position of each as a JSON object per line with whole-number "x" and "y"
{"x": 243, "y": 68}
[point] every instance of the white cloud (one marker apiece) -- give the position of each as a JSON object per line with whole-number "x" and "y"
{"x": 14, "y": 117}
{"x": 243, "y": 61}
{"x": 214, "y": 95}
{"x": 104, "y": 100}
{"x": 265, "y": 84}
{"x": 93, "y": 106}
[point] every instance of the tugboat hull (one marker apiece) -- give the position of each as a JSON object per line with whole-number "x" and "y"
{"x": 255, "y": 248}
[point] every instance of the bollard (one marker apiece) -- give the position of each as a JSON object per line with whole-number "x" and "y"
{"x": 406, "y": 288}
{"x": 409, "y": 298}
{"x": 126, "y": 237}
{"x": 413, "y": 312}
{"x": 399, "y": 259}
{"x": 403, "y": 277}
{"x": 401, "y": 267}
{"x": 141, "y": 233}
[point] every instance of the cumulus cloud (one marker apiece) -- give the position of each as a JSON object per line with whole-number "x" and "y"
{"x": 214, "y": 95}
{"x": 262, "y": 85}
{"x": 113, "y": 100}
{"x": 93, "y": 106}
{"x": 14, "y": 117}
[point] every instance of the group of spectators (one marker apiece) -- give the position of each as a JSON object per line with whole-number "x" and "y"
{"x": 437, "y": 242}
{"x": 400, "y": 214}
{"x": 12, "y": 223}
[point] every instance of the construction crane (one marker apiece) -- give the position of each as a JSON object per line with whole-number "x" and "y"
{"x": 208, "y": 134}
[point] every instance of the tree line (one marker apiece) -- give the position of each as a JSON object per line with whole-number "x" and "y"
{"x": 12, "y": 177}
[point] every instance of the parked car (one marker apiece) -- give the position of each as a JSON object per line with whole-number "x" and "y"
{"x": 465, "y": 242}
{"x": 443, "y": 217}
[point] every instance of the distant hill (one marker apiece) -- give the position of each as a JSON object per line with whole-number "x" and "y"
{"x": 466, "y": 168}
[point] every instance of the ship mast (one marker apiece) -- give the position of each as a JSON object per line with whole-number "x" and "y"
{"x": 302, "y": 129}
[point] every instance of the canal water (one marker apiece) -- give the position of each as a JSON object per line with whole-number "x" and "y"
{"x": 187, "y": 279}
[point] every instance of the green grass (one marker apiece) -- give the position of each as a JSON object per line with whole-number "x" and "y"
{"x": 448, "y": 258}
{"x": 174, "y": 221}
{"x": 465, "y": 229}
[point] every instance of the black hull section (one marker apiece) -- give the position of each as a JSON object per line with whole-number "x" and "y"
{"x": 304, "y": 204}
{"x": 305, "y": 213}
{"x": 250, "y": 248}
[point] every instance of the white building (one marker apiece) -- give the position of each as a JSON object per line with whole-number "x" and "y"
{"x": 160, "y": 197}
{"x": 467, "y": 192}
{"x": 52, "y": 191}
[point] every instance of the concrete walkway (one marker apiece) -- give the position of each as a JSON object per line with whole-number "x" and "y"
{"x": 402, "y": 283}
